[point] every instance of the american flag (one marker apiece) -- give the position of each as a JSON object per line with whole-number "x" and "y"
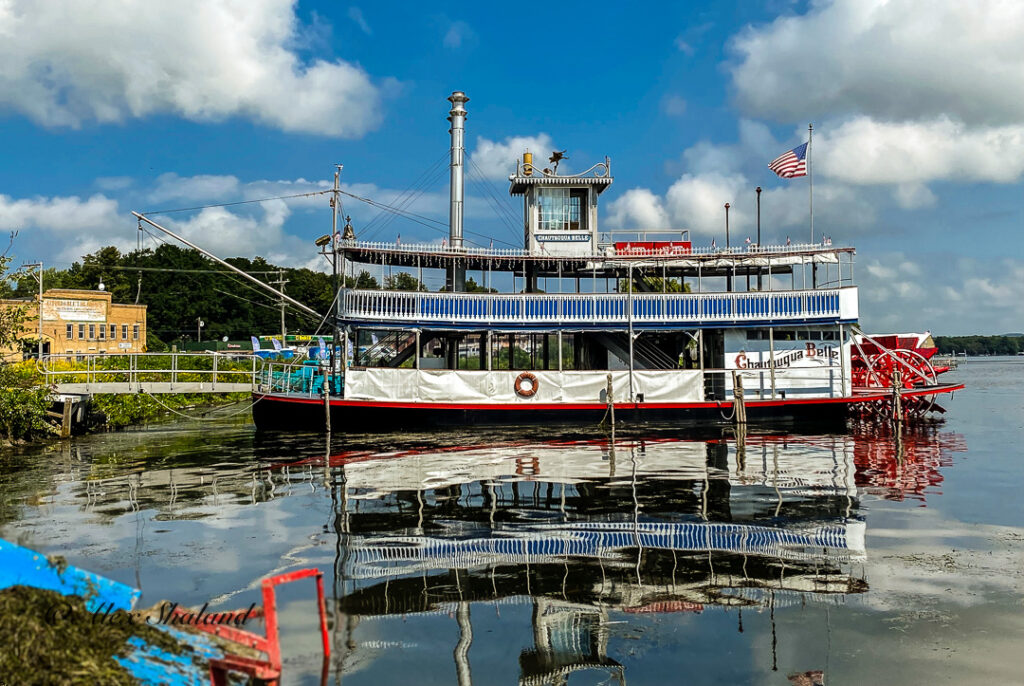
{"x": 792, "y": 163}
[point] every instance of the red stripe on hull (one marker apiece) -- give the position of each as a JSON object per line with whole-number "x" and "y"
{"x": 717, "y": 404}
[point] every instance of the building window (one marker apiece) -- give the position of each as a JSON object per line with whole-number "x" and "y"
{"x": 562, "y": 209}
{"x": 124, "y": 332}
{"x": 103, "y": 332}
{"x": 81, "y": 331}
{"x": 92, "y": 332}
{"x": 135, "y": 332}
{"x": 113, "y": 332}
{"x": 70, "y": 333}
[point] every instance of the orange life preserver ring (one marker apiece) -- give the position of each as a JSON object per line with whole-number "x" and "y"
{"x": 527, "y": 466}
{"x": 528, "y": 392}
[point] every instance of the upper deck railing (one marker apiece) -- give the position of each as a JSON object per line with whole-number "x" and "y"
{"x": 607, "y": 251}
{"x": 599, "y": 309}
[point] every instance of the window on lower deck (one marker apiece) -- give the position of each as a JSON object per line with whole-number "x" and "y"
{"x": 381, "y": 348}
{"x": 530, "y": 351}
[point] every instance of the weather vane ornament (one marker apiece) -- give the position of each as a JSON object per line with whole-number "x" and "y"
{"x": 555, "y": 158}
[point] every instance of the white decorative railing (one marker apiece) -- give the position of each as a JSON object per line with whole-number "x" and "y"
{"x": 599, "y": 308}
{"x": 607, "y": 250}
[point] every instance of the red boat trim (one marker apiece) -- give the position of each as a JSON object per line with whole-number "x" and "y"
{"x": 718, "y": 404}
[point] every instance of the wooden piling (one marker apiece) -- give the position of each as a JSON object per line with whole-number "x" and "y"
{"x": 897, "y": 398}
{"x": 65, "y": 421}
{"x": 327, "y": 399}
{"x": 739, "y": 406}
{"x": 610, "y": 391}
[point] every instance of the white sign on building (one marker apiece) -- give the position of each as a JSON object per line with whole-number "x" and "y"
{"x": 58, "y": 310}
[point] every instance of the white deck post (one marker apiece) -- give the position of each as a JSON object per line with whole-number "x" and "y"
{"x": 771, "y": 357}
{"x": 842, "y": 362}
{"x": 629, "y": 304}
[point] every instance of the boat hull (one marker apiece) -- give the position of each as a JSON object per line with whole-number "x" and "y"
{"x": 284, "y": 412}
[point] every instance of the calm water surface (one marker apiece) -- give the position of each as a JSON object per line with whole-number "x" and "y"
{"x": 562, "y": 557}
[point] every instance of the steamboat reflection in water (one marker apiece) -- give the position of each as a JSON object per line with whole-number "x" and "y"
{"x": 583, "y": 529}
{"x": 587, "y": 534}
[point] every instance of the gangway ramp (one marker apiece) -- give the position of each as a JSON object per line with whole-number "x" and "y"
{"x": 153, "y": 373}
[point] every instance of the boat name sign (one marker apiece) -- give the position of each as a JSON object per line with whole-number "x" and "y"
{"x": 786, "y": 358}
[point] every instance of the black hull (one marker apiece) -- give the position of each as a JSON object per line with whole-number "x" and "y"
{"x": 277, "y": 413}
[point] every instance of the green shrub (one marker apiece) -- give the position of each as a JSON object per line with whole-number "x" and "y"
{"x": 24, "y": 402}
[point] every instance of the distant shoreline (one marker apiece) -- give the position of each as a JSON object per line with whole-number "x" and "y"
{"x": 980, "y": 345}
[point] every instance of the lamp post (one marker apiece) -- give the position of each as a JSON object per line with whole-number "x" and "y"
{"x": 758, "y": 190}
{"x": 728, "y": 276}
{"x": 726, "y": 225}
{"x": 199, "y": 329}
{"x": 39, "y": 277}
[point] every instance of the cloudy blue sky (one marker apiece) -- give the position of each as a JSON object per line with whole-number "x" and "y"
{"x": 917, "y": 105}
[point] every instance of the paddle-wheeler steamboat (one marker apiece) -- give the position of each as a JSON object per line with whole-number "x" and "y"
{"x": 582, "y": 324}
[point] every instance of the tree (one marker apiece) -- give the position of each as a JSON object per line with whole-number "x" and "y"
{"x": 403, "y": 281}
{"x": 365, "y": 281}
{"x": 11, "y": 316}
{"x": 474, "y": 287}
{"x": 24, "y": 401}
{"x": 652, "y": 284}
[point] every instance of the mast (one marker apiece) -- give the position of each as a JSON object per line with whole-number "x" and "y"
{"x": 335, "y": 207}
{"x": 810, "y": 177}
{"x": 244, "y": 275}
{"x": 457, "y": 117}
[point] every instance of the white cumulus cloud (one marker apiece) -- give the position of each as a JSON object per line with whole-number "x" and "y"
{"x": 947, "y": 295}
{"x": 887, "y": 59}
{"x": 203, "y": 187}
{"x": 64, "y": 227}
{"x": 69, "y": 214}
{"x": 63, "y": 64}
{"x": 637, "y": 208}
{"x": 867, "y": 151}
{"x": 498, "y": 160}
{"x": 697, "y": 202}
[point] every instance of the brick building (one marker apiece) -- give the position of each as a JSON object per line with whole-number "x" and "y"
{"x": 79, "y": 322}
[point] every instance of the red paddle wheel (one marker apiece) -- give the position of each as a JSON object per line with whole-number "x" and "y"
{"x": 875, "y": 366}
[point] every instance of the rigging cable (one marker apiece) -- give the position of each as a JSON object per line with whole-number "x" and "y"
{"x": 234, "y": 279}
{"x": 239, "y": 202}
{"x": 492, "y": 200}
{"x": 417, "y": 218}
{"x": 424, "y": 181}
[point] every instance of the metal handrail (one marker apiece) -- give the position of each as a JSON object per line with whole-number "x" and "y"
{"x": 52, "y": 367}
{"x": 591, "y": 308}
{"x": 294, "y": 378}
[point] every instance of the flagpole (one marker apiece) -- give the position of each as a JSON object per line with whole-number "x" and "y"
{"x": 810, "y": 176}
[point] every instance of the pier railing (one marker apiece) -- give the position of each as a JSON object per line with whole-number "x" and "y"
{"x": 600, "y": 308}
{"x": 156, "y": 373}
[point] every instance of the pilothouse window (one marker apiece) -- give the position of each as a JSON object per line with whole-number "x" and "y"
{"x": 562, "y": 209}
